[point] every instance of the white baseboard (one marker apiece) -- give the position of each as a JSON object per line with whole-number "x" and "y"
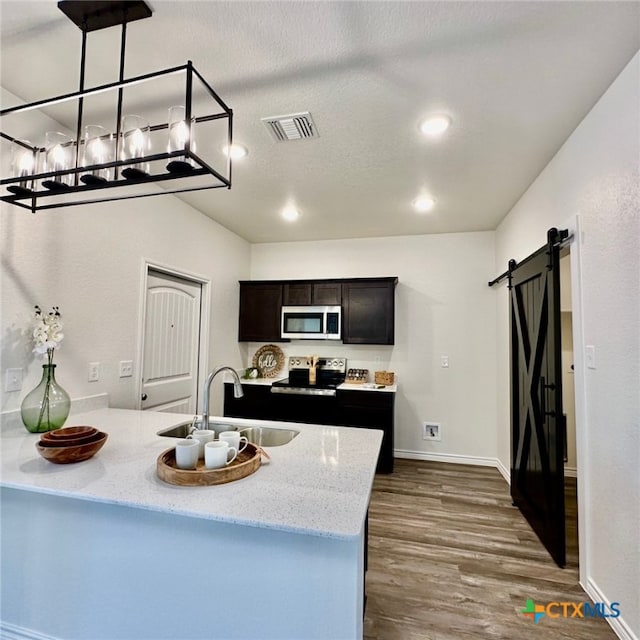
{"x": 505, "y": 472}
{"x": 619, "y": 626}
{"x": 453, "y": 458}
{"x": 569, "y": 472}
{"x": 12, "y": 632}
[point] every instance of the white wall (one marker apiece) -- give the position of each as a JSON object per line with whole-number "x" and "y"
{"x": 595, "y": 175}
{"x": 88, "y": 260}
{"x": 443, "y": 307}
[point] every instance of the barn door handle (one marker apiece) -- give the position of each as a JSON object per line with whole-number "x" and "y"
{"x": 144, "y": 396}
{"x": 543, "y": 398}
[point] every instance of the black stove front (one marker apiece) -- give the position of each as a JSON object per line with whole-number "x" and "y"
{"x": 329, "y": 374}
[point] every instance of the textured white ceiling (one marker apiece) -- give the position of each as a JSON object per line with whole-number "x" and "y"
{"x": 515, "y": 77}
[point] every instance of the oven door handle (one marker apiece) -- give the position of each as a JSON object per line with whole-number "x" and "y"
{"x": 303, "y": 391}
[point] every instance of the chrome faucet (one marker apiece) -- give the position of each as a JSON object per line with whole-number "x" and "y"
{"x": 237, "y": 392}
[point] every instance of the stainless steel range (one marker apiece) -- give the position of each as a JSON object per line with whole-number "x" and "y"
{"x": 329, "y": 374}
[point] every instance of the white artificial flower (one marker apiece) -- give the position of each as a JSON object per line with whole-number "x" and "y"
{"x": 47, "y": 331}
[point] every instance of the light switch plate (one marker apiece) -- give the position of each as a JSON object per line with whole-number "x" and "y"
{"x": 93, "y": 374}
{"x": 590, "y": 356}
{"x": 444, "y": 362}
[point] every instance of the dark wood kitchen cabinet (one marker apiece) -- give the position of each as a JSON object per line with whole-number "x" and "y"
{"x": 259, "y": 403}
{"x": 368, "y": 311}
{"x": 259, "y": 316}
{"x": 368, "y": 307}
{"x": 256, "y": 402}
{"x": 305, "y": 293}
{"x": 371, "y": 410}
{"x": 360, "y": 409}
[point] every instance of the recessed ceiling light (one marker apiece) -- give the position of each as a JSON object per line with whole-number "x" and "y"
{"x": 290, "y": 214}
{"x": 236, "y": 152}
{"x": 424, "y": 204}
{"x": 435, "y": 125}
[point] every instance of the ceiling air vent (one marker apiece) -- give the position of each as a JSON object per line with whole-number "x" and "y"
{"x": 296, "y": 126}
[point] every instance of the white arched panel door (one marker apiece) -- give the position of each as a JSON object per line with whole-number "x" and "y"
{"x": 171, "y": 344}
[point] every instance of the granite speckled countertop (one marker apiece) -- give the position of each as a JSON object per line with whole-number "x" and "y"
{"x": 318, "y": 484}
{"x": 346, "y": 386}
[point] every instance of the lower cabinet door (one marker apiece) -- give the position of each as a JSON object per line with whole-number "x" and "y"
{"x": 371, "y": 410}
{"x": 255, "y": 403}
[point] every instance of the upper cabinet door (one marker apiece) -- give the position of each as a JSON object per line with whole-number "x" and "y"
{"x": 259, "y": 317}
{"x": 369, "y": 311}
{"x": 295, "y": 294}
{"x": 306, "y": 293}
{"x": 327, "y": 293}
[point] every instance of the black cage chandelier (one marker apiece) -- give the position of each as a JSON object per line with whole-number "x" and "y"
{"x": 129, "y": 152}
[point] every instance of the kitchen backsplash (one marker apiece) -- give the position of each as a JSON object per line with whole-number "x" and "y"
{"x": 358, "y": 357}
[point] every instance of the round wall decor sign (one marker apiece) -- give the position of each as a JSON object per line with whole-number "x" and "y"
{"x": 269, "y": 359}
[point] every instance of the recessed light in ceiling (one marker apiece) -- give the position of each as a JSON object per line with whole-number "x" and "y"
{"x": 435, "y": 125}
{"x": 424, "y": 204}
{"x": 236, "y": 151}
{"x": 290, "y": 214}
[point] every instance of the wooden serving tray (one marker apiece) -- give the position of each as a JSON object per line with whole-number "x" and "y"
{"x": 247, "y": 462}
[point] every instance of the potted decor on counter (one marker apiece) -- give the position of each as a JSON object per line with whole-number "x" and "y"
{"x": 46, "y": 407}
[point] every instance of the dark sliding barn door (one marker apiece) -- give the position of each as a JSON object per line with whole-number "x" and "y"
{"x": 537, "y": 422}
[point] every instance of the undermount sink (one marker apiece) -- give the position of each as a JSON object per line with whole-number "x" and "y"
{"x": 184, "y": 429}
{"x": 262, "y": 436}
{"x": 269, "y": 437}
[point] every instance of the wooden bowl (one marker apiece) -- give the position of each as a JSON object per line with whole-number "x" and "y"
{"x": 73, "y": 438}
{"x": 71, "y": 453}
{"x": 68, "y": 433}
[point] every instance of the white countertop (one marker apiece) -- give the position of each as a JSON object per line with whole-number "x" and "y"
{"x": 346, "y": 386}
{"x": 318, "y": 484}
{"x": 368, "y": 386}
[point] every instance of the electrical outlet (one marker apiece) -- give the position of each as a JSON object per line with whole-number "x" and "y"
{"x": 13, "y": 380}
{"x": 94, "y": 372}
{"x": 431, "y": 431}
{"x": 126, "y": 368}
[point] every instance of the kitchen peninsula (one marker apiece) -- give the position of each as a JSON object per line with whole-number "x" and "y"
{"x": 103, "y": 549}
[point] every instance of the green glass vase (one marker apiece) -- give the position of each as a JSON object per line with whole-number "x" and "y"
{"x": 47, "y": 406}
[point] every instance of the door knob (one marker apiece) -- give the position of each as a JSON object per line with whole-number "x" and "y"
{"x": 144, "y": 396}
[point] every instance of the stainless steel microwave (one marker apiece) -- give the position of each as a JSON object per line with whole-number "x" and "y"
{"x": 311, "y": 322}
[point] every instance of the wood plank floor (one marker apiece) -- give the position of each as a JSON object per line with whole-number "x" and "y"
{"x": 451, "y": 559}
